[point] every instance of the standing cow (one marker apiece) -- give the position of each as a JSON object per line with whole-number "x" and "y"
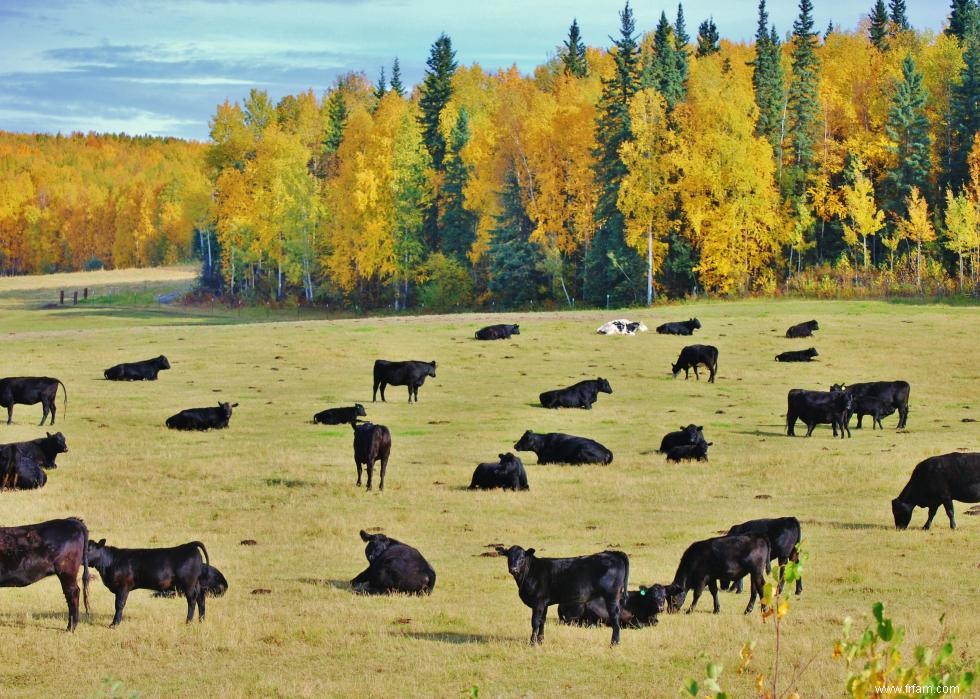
{"x": 35, "y": 551}
{"x": 371, "y": 443}
{"x": 146, "y": 370}
{"x": 724, "y": 558}
{"x": 31, "y": 390}
{"x": 817, "y": 408}
{"x": 409, "y": 373}
{"x": 878, "y": 399}
{"x": 938, "y": 481}
{"x": 693, "y": 355}
{"x": 784, "y": 536}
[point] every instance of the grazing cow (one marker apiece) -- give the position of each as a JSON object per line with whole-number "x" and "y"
{"x": 640, "y": 609}
{"x": 409, "y": 373}
{"x": 818, "y": 407}
{"x": 340, "y": 416}
{"x": 175, "y": 568}
{"x": 802, "y": 329}
{"x": 497, "y": 332}
{"x": 883, "y": 397}
{"x": 719, "y": 558}
{"x": 621, "y": 327}
{"x": 559, "y": 448}
{"x": 580, "y": 395}
{"x": 938, "y": 481}
{"x": 569, "y": 583}
{"x": 692, "y": 434}
{"x": 146, "y": 370}
{"x": 393, "y": 567}
{"x": 507, "y": 473}
{"x": 30, "y": 390}
{"x": 689, "y": 452}
{"x": 686, "y": 327}
{"x": 371, "y": 443}
{"x": 783, "y": 534}
{"x": 693, "y": 355}
{"x": 212, "y": 583}
{"x": 22, "y": 464}
{"x": 806, "y": 355}
{"x": 35, "y": 551}
{"x": 202, "y": 418}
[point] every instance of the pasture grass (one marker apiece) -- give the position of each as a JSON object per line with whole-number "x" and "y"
{"x": 276, "y": 478}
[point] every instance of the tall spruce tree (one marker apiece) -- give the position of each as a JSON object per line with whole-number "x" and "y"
{"x": 767, "y": 81}
{"x": 381, "y": 87}
{"x": 437, "y": 88}
{"x": 966, "y": 102}
{"x": 336, "y": 121}
{"x": 457, "y": 225}
{"x": 802, "y": 106}
{"x": 959, "y": 17}
{"x": 573, "y": 57}
{"x": 898, "y": 16}
{"x": 908, "y": 127}
{"x": 515, "y": 264}
{"x": 878, "y": 28}
{"x": 396, "y": 79}
{"x": 612, "y": 269}
{"x": 661, "y": 70}
{"x": 681, "y": 40}
{"x": 708, "y": 38}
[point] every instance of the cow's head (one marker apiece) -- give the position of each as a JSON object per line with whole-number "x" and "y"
{"x": 604, "y": 386}
{"x": 695, "y": 323}
{"x": 226, "y": 408}
{"x": 98, "y": 554}
{"x": 674, "y": 596}
{"x": 648, "y": 603}
{"x": 675, "y": 369}
{"x": 694, "y": 433}
{"x": 837, "y": 388}
{"x": 359, "y": 410}
{"x": 162, "y": 362}
{"x": 902, "y": 512}
{"x": 813, "y": 325}
{"x": 527, "y": 442}
{"x": 515, "y": 330}
{"x": 376, "y": 545}
{"x": 812, "y": 352}
{"x": 57, "y": 440}
{"x": 518, "y": 560}
{"x": 509, "y": 460}
{"x": 430, "y": 370}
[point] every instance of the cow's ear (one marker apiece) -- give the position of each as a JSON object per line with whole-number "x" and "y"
{"x": 234, "y": 405}
{"x": 529, "y": 552}
{"x": 365, "y": 536}
{"x": 700, "y": 428}
{"x": 48, "y": 433}
{"x": 100, "y": 542}
{"x": 433, "y": 363}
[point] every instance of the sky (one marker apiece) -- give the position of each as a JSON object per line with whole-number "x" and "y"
{"x": 161, "y": 67}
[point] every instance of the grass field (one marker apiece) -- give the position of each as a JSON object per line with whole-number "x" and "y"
{"x": 288, "y": 484}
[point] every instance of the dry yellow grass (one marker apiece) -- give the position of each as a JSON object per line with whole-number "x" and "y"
{"x": 288, "y": 484}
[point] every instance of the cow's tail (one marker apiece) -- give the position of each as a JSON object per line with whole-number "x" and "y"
{"x": 207, "y": 560}
{"x": 626, "y": 582}
{"x": 64, "y": 406}
{"x": 85, "y": 575}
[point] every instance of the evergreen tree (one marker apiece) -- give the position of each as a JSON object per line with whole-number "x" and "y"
{"x": 573, "y": 57}
{"x": 898, "y": 16}
{"x": 966, "y": 102}
{"x": 681, "y": 40}
{"x": 878, "y": 29}
{"x": 437, "y": 88}
{"x": 767, "y": 81}
{"x": 381, "y": 87}
{"x": 396, "y": 79}
{"x": 457, "y": 225}
{"x": 707, "y": 38}
{"x": 959, "y": 17}
{"x": 908, "y": 126}
{"x": 612, "y": 269}
{"x": 829, "y": 30}
{"x": 661, "y": 70}
{"x": 336, "y": 121}
{"x": 802, "y": 106}
{"x": 516, "y": 265}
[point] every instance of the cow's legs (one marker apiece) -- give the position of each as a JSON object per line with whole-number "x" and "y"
{"x": 795, "y": 557}
{"x": 698, "y": 589}
{"x": 538, "y": 616}
{"x": 612, "y": 604}
{"x": 44, "y": 412}
{"x": 903, "y": 414}
{"x": 758, "y": 582}
{"x": 809, "y": 429}
{"x": 384, "y": 467}
{"x": 860, "y": 415}
{"x": 370, "y": 471}
{"x": 932, "y": 513}
{"x": 53, "y": 409}
{"x": 69, "y": 585}
{"x": 383, "y": 386}
{"x": 738, "y": 586}
{"x": 948, "y": 506}
{"x": 200, "y": 603}
{"x": 696, "y": 374}
{"x": 121, "y": 596}
{"x": 10, "y": 413}
{"x": 359, "y": 469}
{"x": 713, "y": 589}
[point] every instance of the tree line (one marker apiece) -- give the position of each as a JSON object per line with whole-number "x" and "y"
{"x": 661, "y": 164}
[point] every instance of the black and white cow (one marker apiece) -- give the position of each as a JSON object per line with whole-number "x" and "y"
{"x": 393, "y": 567}
{"x": 202, "y": 418}
{"x": 938, "y": 481}
{"x": 569, "y": 583}
{"x": 507, "y": 473}
{"x": 497, "y": 332}
{"x": 146, "y": 370}
{"x": 408, "y": 373}
{"x": 802, "y": 329}
{"x": 806, "y": 355}
{"x": 686, "y": 327}
{"x": 340, "y": 416}
{"x": 22, "y": 464}
{"x": 723, "y": 558}
{"x": 31, "y": 390}
{"x": 580, "y": 395}
{"x": 560, "y": 448}
{"x": 621, "y": 326}
{"x": 817, "y": 408}
{"x": 693, "y": 355}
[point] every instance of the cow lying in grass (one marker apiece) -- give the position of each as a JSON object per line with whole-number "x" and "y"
{"x": 393, "y": 567}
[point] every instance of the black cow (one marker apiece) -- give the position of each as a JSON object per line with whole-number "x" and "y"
{"x": 146, "y": 370}
{"x": 802, "y": 329}
{"x": 806, "y": 355}
{"x": 35, "y": 551}
{"x": 569, "y": 583}
{"x": 559, "y": 448}
{"x": 30, "y": 390}
{"x": 686, "y": 327}
{"x": 938, "y": 481}
{"x": 212, "y": 583}
{"x": 689, "y": 452}
{"x": 340, "y": 416}
{"x": 580, "y": 395}
{"x": 202, "y": 418}
{"x": 691, "y": 356}
{"x": 882, "y": 397}
{"x": 371, "y": 443}
{"x": 22, "y": 464}
{"x": 640, "y": 609}
{"x": 692, "y": 434}
{"x": 409, "y": 373}
{"x": 175, "y": 568}
{"x": 722, "y": 558}
{"x": 393, "y": 567}
{"x": 507, "y": 473}
{"x": 783, "y": 534}
{"x": 497, "y": 332}
{"x": 818, "y": 407}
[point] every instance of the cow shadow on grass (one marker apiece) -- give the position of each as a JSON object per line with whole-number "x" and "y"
{"x": 858, "y": 526}
{"x": 51, "y": 621}
{"x": 452, "y": 637}
{"x": 325, "y": 582}
{"x": 761, "y": 433}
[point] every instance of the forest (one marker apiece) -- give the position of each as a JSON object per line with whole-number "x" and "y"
{"x": 813, "y": 161}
